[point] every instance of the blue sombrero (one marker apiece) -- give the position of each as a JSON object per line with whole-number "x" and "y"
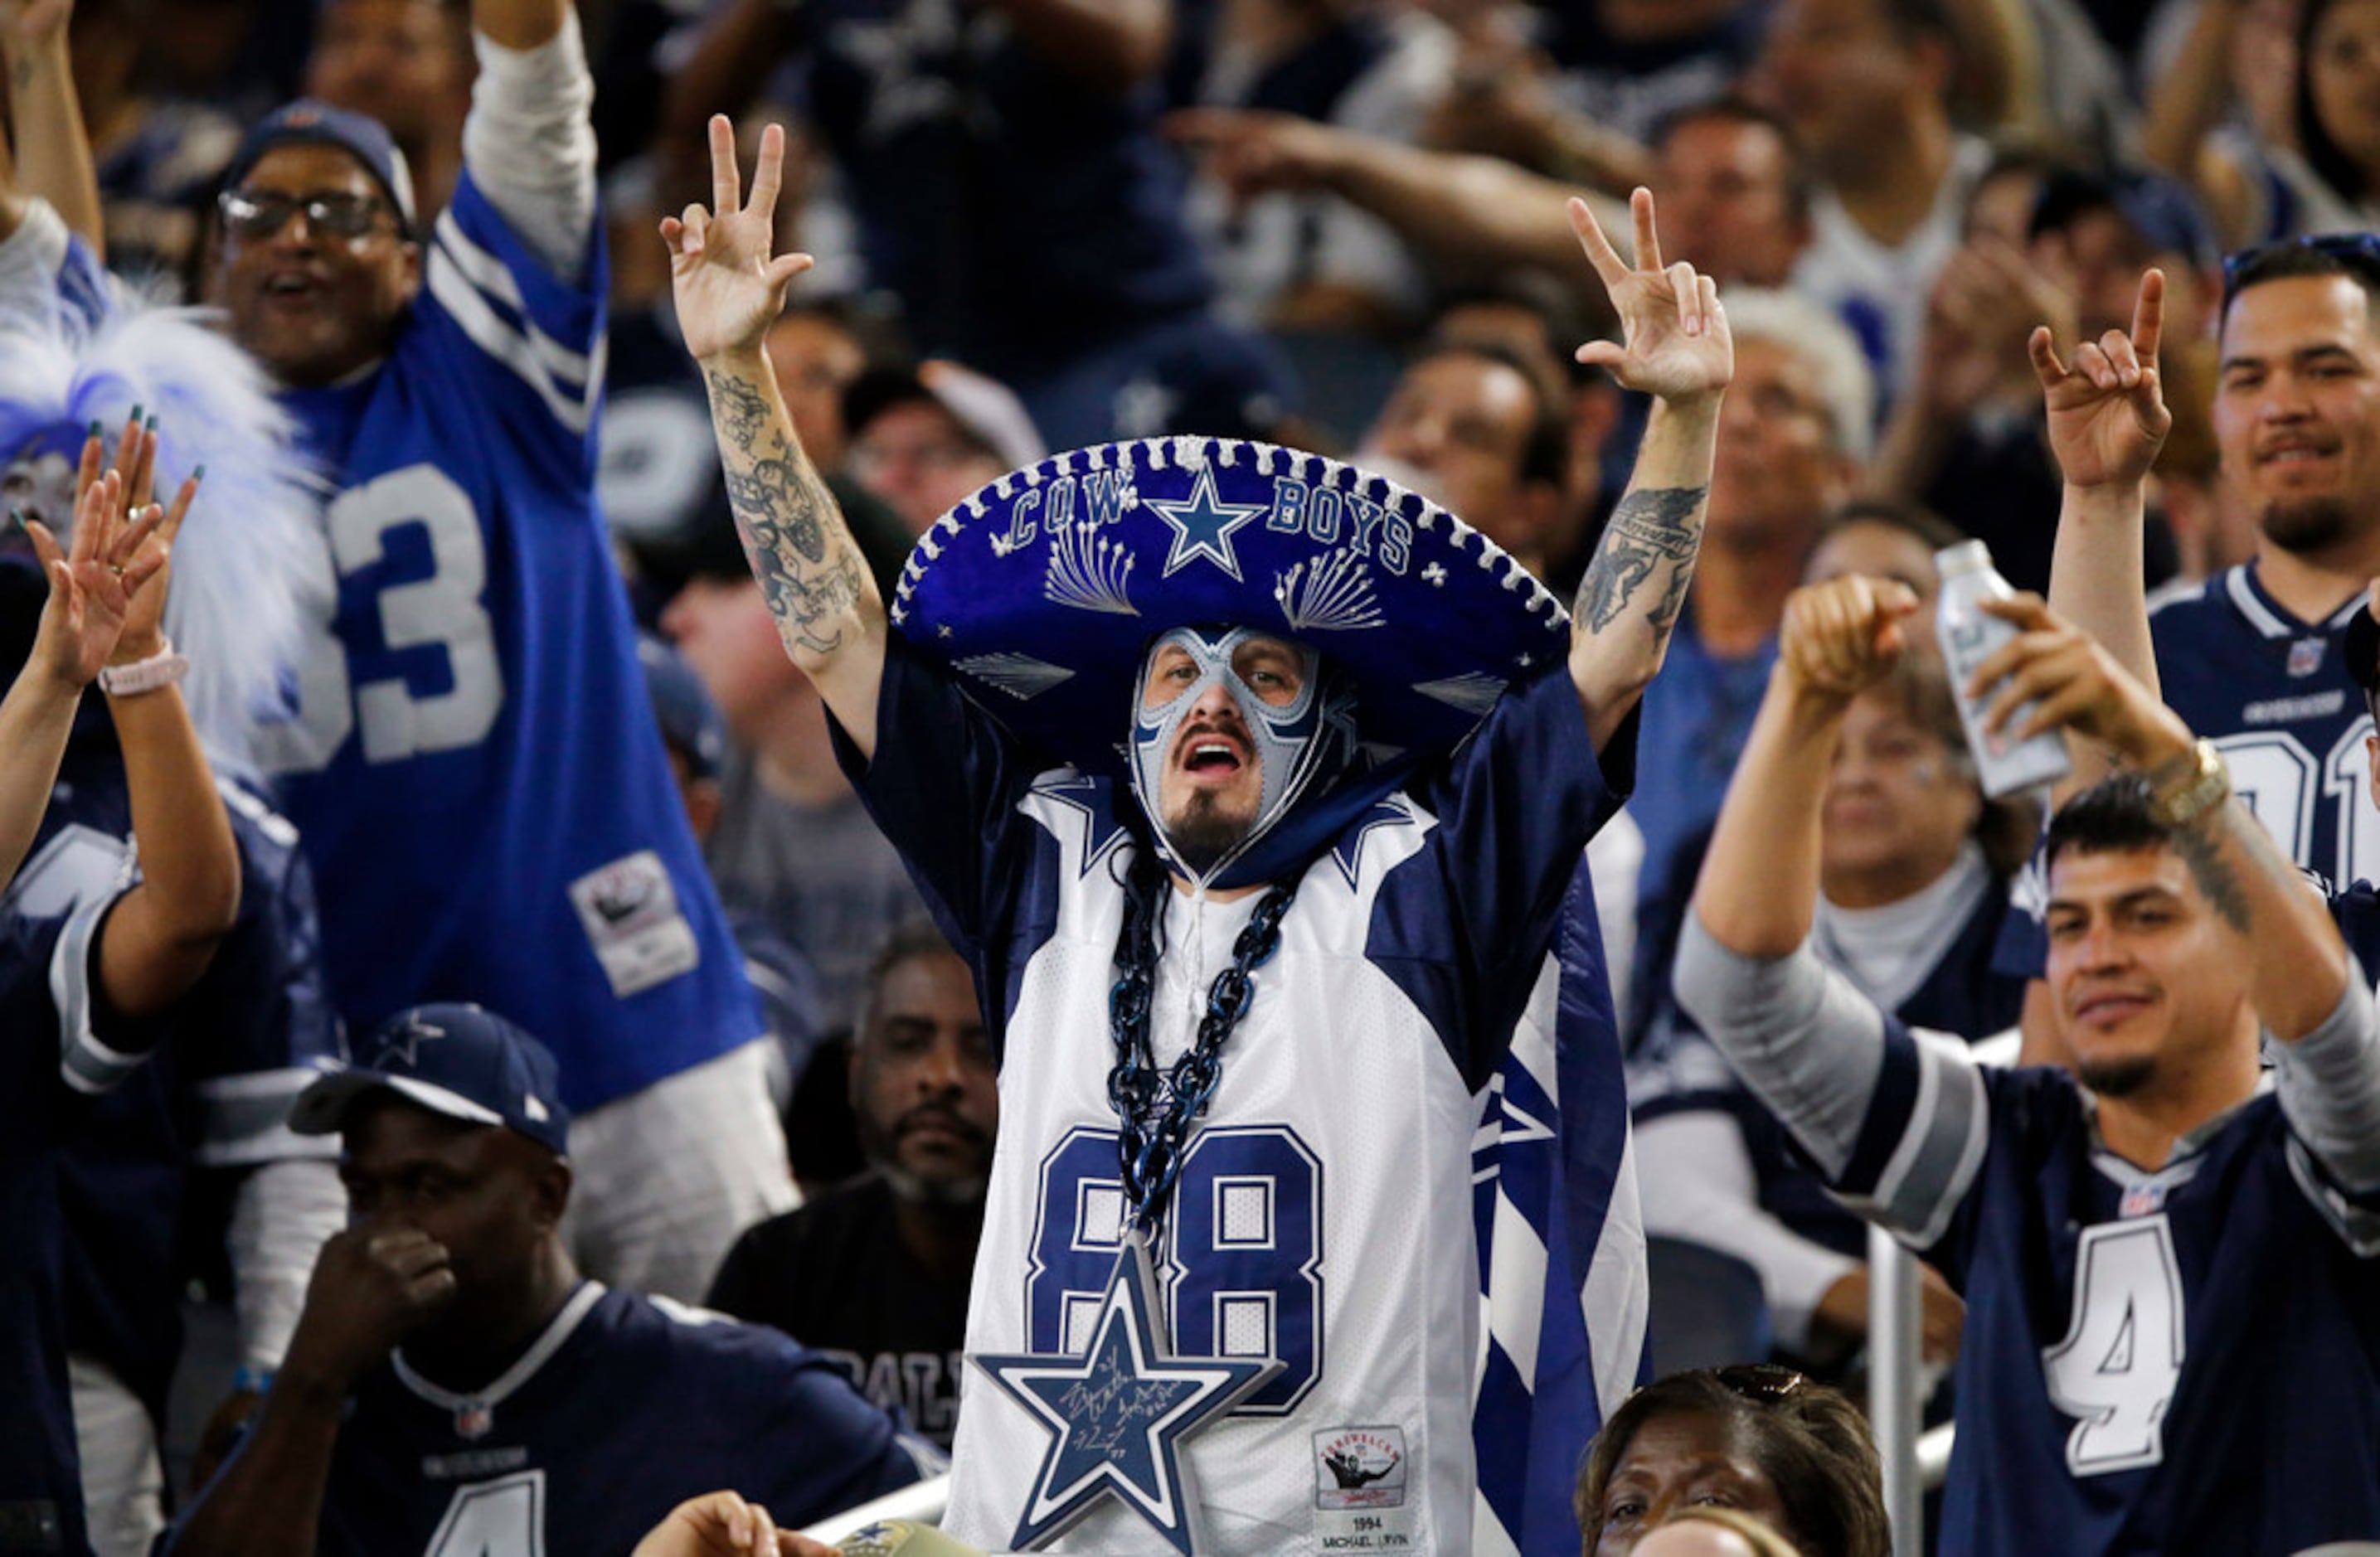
{"x": 1044, "y": 588}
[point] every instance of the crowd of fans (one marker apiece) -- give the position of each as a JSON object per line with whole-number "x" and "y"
{"x": 1972, "y": 254}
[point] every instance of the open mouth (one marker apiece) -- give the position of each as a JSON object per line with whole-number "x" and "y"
{"x": 1212, "y": 757}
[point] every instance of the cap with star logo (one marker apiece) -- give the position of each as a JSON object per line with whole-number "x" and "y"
{"x": 1044, "y": 589}
{"x": 464, "y": 1062}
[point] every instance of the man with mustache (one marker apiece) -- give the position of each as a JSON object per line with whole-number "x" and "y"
{"x": 2251, "y": 660}
{"x": 874, "y": 1273}
{"x": 1252, "y": 787}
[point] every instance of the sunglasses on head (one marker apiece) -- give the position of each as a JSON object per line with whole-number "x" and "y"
{"x": 256, "y": 214}
{"x": 2364, "y": 247}
{"x": 1762, "y": 1382}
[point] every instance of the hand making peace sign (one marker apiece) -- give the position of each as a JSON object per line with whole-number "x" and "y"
{"x": 1674, "y": 340}
{"x": 728, "y": 288}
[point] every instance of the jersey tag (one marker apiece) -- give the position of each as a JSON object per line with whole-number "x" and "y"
{"x": 1359, "y": 1490}
{"x": 630, "y": 912}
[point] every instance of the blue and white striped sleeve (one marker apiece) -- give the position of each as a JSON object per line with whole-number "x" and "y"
{"x": 87, "y": 1062}
{"x": 2328, "y": 1083}
{"x": 1896, "y": 1120}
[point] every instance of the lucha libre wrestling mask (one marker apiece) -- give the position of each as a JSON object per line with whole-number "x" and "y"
{"x": 1299, "y": 745}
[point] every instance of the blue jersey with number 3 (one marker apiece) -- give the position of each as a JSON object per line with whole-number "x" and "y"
{"x": 475, "y": 769}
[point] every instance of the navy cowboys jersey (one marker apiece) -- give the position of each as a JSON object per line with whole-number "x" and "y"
{"x": 475, "y": 769}
{"x": 1324, "y": 1213}
{"x": 2180, "y": 1360}
{"x": 2274, "y": 694}
{"x": 625, "y": 1407}
{"x": 254, "y": 1027}
{"x": 59, "y": 1046}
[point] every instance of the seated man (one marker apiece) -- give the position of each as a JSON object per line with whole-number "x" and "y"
{"x": 875, "y": 1274}
{"x": 2173, "y": 1304}
{"x": 453, "y": 1374}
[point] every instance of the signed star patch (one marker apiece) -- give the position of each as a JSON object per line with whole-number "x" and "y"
{"x": 1118, "y": 1413}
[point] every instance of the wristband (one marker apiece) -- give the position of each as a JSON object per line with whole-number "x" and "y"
{"x": 162, "y": 668}
{"x": 251, "y": 1381}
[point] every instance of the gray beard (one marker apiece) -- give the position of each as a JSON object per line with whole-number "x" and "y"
{"x": 2119, "y": 1078}
{"x": 2309, "y": 523}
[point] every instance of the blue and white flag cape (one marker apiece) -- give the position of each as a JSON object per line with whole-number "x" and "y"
{"x": 1563, "y": 1296}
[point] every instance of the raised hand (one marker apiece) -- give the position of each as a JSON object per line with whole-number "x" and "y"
{"x": 1843, "y": 636}
{"x": 136, "y": 454}
{"x": 2070, "y": 682}
{"x": 2108, "y": 416}
{"x": 1674, "y": 340}
{"x": 94, "y": 582}
{"x": 729, "y": 290}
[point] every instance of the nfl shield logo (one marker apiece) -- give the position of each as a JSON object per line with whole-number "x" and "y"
{"x": 2144, "y": 1200}
{"x": 2305, "y": 657}
{"x": 475, "y": 1419}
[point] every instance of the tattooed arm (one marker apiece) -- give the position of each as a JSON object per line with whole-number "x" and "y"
{"x": 1674, "y": 347}
{"x": 809, "y": 569}
{"x": 2286, "y": 932}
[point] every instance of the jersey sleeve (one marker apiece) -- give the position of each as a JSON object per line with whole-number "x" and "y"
{"x": 2328, "y": 1084}
{"x": 51, "y": 283}
{"x": 535, "y": 331}
{"x": 1465, "y": 938}
{"x": 1896, "y": 1120}
{"x": 264, "y": 1013}
{"x": 98, "y": 1049}
{"x": 944, "y": 786}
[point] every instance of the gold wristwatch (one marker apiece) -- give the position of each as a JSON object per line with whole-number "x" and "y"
{"x": 2183, "y": 797}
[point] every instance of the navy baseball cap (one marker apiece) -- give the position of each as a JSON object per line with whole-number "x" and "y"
{"x": 309, "y": 122}
{"x": 464, "y": 1062}
{"x": 691, "y": 723}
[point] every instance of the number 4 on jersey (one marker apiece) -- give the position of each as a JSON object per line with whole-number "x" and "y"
{"x": 2121, "y": 1357}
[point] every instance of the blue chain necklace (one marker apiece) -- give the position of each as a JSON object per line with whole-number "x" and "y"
{"x": 1155, "y": 1108}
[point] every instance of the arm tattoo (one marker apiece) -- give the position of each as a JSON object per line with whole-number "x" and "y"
{"x": 1651, "y": 535}
{"x": 807, "y": 567}
{"x": 2201, "y": 848}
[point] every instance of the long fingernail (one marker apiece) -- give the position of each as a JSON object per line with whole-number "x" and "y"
{"x": 17, "y": 517}
{"x": 152, "y": 426}
{"x": 200, "y": 474}
{"x": 94, "y": 427}
{"x": 136, "y": 411}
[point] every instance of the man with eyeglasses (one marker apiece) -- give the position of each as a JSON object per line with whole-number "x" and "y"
{"x": 472, "y": 762}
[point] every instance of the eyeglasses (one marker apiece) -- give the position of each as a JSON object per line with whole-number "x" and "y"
{"x": 1764, "y": 1382}
{"x": 2357, "y": 248}
{"x": 256, "y": 216}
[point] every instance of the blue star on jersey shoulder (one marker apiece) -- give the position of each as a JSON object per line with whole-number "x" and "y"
{"x": 1203, "y": 525}
{"x": 1118, "y": 1413}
